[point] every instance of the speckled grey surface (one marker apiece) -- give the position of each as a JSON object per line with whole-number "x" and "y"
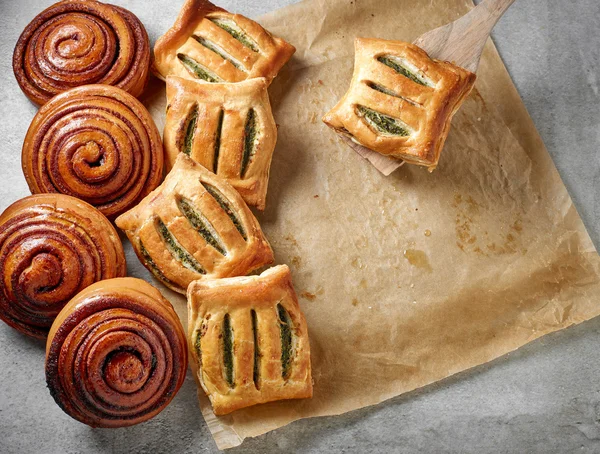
{"x": 543, "y": 398}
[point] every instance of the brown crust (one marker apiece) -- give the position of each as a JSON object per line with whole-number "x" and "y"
{"x": 111, "y": 156}
{"x": 49, "y": 58}
{"x": 231, "y": 104}
{"x": 51, "y": 247}
{"x": 186, "y": 182}
{"x": 426, "y": 110}
{"x": 193, "y": 19}
{"x": 208, "y": 303}
{"x": 134, "y": 350}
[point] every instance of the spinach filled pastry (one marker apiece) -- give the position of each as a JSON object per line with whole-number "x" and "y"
{"x": 195, "y": 226}
{"x": 228, "y": 128}
{"x": 249, "y": 340}
{"x": 400, "y": 102}
{"x": 210, "y": 44}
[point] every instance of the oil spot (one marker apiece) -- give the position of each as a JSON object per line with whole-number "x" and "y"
{"x": 296, "y": 261}
{"x": 363, "y": 283}
{"x": 427, "y": 232}
{"x": 291, "y": 240}
{"x": 357, "y": 263}
{"x": 355, "y": 302}
{"x": 418, "y": 259}
{"x": 309, "y": 296}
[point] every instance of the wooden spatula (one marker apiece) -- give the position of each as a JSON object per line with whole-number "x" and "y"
{"x": 460, "y": 42}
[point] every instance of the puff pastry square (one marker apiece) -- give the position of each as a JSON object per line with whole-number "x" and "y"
{"x": 249, "y": 340}
{"x": 195, "y": 226}
{"x": 228, "y": 128}
{"x": 400, "y": 102}
{"x": 210, "y": 44}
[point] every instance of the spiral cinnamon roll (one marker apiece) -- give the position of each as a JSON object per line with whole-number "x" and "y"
{"x": 116, "y": 354}
{"x": 81, "y": 42}
{"x": 51, "y": 247}
{"x": 97, "y": 143}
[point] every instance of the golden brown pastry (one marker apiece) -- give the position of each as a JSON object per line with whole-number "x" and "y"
{"x": 80, "y": 42}
{"x": 116, "y": 354}
{"x": 400, "y": 102}
{"x": 249, "y": 340}
{"x": 195, "y": 226}
{"x": 97, "y": 143}
{"x": 228, "y": 128}
{"x": 210, "y": 44}
{"x": 51, "y": 247}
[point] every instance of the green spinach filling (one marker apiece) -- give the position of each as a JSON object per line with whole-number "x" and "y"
{"x": 228, "y": 350}
{"x": 285, "y": 326}
{"x": 250, "y": 133}
{"x": 396, "y": 66}
{"x": 201, "y": 225}
{"x": 218, "y": 141}
{"x": 226, "y": 206}
{"x": 232, "y": 28}
{"x": 198, "y": 346}
{"x": 217, "y": 50}
{"x": 256, "y": 373}
{"x": 383, "y": 123}
{"x": 190, "y": 130}
{"x": 382, "y": 89}
{"x": 197, "y": 70}
{"x": 176, "y": 250}
{"x": 154, "y": 269}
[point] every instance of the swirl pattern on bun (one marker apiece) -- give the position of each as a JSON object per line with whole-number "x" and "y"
{"x": 97, "y": 143}
{"x": 52, "y": 246}
{"x": 81, "y": 42}
{"x": 116, "y": 354}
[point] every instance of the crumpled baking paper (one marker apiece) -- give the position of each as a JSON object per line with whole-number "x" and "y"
{"x": 407, "y": 279}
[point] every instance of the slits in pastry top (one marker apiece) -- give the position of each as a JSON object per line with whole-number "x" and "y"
{"x": 400, "y": 102}
{"x": 228, "y": 128}
{"x": 210, "y": 44}
{"x": 249, "y": 340}
{"x": 195, "y": 226}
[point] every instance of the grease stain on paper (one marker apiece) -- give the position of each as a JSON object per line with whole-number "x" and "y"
{"x": 468, "y": 239}
{"x": 418, "y": 259}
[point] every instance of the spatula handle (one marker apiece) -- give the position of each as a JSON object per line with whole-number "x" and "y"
{"x": 462, "y": 41}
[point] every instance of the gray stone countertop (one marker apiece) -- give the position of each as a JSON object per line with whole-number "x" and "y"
{"x": 543, "y": 398}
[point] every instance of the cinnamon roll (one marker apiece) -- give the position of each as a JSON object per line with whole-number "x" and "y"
{"x": 116, "y": 354}
{"x": 81, "y": 42}
{"x": 51, "y": 247}
{"x": 97, "y": 143}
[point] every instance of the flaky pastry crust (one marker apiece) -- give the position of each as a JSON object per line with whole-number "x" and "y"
{"x": 228, "y": 128}
{"x": 208, "y": 43}
{"x": 400, "y": 102}
{"x": 195, "y": 226}
{"x": 249, "y": 340}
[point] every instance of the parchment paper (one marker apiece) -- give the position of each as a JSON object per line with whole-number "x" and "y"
{"x": 408, "y": 279}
